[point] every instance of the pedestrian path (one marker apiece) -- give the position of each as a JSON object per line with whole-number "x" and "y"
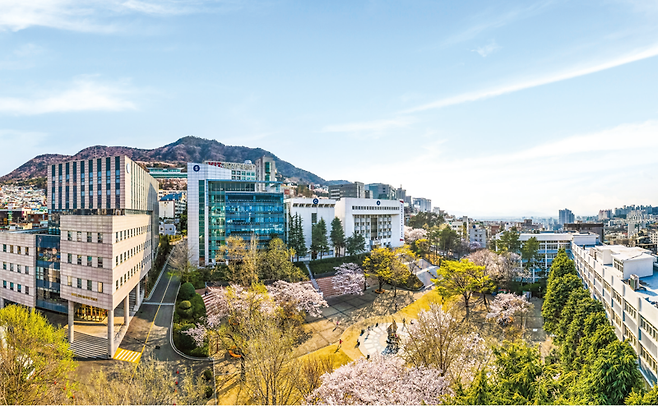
{"x": 374, "y": 341}
{"x": 127, "y": 355}
{"x": 89, "y": 346}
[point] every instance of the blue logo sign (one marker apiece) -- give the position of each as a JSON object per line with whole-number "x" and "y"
{"x": 197, "y": 168}
{"x": 378, "y": 202}
{"x": 315, "y": 201}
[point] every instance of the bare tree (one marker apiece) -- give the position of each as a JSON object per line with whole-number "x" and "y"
{"x": 180, "y": 262}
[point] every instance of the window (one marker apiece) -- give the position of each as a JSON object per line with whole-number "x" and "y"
{"x": 19, "y": 288}
{"x": 4, "y": 266}
{"x": 79, "y": 258}
{"x": 99, "y": 262}
{"x": 615, "y": 296}
{"x": 88, "y": 284}
{"x": 11, "y": 249}
{"x": 117, "y": 237}
{"x": 79, "y": 283}
{"x": 314, "y": 218}
{"x": 79, "y": 234}
{"x": 117, "y": 283}
{"x": 88, "y": 260}
{"x": 11, "y": 267}
{"x": 27, "y": 271}
{"x": 18, "y": 268}
{"x": 88, "y": 237}
{"x": 69, "y": 235}
{"x": 70, "y": 258}
{"x": 18, "y": 249}
{"x": 649, "y": 328}
{"x": 4, "y": 247}
{"x": 99, "y": 237}
{"x": 100, "y": 287}
{"x": 4, "y": 284}
{"x": 117, "y": 260}
{"x": 629, "y": 309}
{"x": 27, "y": 250}
{"x": 11, "y": 285}
{"x": 68, "y": 281}
{"x": 27, "y": 290}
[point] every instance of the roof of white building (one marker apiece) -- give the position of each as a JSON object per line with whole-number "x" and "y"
{"x": 623, "y": 253}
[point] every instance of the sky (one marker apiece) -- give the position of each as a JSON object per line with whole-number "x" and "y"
{"x": 489, "y": 108}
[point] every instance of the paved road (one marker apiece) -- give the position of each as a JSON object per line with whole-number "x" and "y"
{"x": 153, "y": 337}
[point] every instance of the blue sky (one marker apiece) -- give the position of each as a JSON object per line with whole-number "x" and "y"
{"x": 489, "y": 108}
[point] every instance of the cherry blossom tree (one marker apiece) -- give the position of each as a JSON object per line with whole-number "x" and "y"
{"x": 506, "y": 306}
{"x": 437, "y": 340}
{"x": 349, "y": 279}
{"x": 413, "y": 234}
{"x": 300, "y": 295}
{"x": 381, "y": 380}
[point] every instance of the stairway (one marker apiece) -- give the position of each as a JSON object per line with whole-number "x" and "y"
{"x": 88, "y": 346}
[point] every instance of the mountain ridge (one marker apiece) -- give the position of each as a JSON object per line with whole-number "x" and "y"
{"x": 185, "y": 149}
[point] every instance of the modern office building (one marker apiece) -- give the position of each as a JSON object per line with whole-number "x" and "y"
{"x": 422, "y": 205}
{"x": 381, "y": 191}
{"x": 381, "y": 222}
{"x": 224, "y": 201}
{"x": 266, "y": 173}
{"x": 565, "y": 216}
{"x": 167, "y": 173}
{"x": 98, "y": 248}
{"x": 311, "y": 211}
{"x": 353, "y": 190}
{"x": 624, "y": 279}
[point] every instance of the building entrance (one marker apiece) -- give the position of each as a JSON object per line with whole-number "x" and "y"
{"x": 89, "y": 313}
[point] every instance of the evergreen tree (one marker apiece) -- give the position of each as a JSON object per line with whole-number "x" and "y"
{"x": 355, "y": 244}
{"x": 296, "y": 239}
{"x": 319, "y": 241}
{"x": 337, "y": 236}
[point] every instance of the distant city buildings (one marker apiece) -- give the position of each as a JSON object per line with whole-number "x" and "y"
{"x": 354, "y": 190}
{"x": 382, "y": 191}
{"x": 565, "y": 216}
{"x": 422, "y": 205}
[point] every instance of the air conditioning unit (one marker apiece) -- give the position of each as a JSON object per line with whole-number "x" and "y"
{"x": 634, "y": 282}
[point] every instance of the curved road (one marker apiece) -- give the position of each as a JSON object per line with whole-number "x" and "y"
{"x": 149, "y": 329}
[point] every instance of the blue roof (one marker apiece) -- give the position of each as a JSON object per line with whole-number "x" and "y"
{"x": 171, "y": 196}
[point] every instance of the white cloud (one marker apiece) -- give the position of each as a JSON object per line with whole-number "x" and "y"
{"x": 527, "y": 84}
{"x": 377, "y": 126}
{"x": 584, "y": 172}
{"x": 91, "y": 15}
{"x": 83, "y": 95}
{"x": 488, "y": 49}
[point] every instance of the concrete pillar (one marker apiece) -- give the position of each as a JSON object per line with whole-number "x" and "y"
{"x": 2, "y": 302}
{"x": 126, "y": 310}
{"x": 110, "y": 332}
{"x": 138, "y": 298}
{"x": 71, "y": 324}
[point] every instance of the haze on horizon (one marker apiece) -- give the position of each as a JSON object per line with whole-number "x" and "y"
{"x": 491, "y": 109}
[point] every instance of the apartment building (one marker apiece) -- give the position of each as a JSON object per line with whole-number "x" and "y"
{"x": 98, "y": 248}
{"x": 625, "y": 281}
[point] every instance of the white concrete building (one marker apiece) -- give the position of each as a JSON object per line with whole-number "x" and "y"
{"x": 381, "y": 222}
{"x": 311, "y": 210}
{"x": 625, "y": 281}
{"x": 477, "y": 234}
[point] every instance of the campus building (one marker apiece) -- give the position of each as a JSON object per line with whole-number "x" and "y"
{"x": 624, "y": 279}
{"x": 311, "y": 211}
{"x": 97, "y": 250}
{"x": 224, "y": 200}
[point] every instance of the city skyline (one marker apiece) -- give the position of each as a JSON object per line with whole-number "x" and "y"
{"x": 528, "y": 108}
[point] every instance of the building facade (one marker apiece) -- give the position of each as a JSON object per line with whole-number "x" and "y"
{"x": 311, "y": 211}
{"x": 624, "y": 280}
{"x": 266, "y": 173}
{"x": 223, "y": 201}
{"x": 422, "y": 204}
{"x": 478, "y": 235}
{"x": 355, "y": 190}
{"x": 381, "y": 191}
{"x": 381, "y": 222}
{"x": 98, "y": 248}
{"x": 565, "y": 216}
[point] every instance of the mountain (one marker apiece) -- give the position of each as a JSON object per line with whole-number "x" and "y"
{"x": 179, "y": 153}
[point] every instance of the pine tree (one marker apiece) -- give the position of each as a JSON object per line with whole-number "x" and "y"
{"x": 337, "y": 236}
{"x": 300, "y": 247}
{"x": 319, "y": 242}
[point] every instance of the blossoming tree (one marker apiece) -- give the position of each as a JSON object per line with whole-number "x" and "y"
{"x": 349, "y": 279}
{"x": 506, "y": 306}
{"x": 381, "y": 380}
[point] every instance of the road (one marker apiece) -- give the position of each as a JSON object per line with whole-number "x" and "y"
{"x": 149, "y": 330}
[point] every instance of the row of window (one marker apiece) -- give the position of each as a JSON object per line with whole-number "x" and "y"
{"x": 17, "y": 287}
{"x": 649, "y": 328}
{"x": 89, "y": 261}
{"x": 15, "y": 267}
{"x": 375, "y": 208}
{"x": 119, "y": 259}
{"x": 131, "y": 232}
{"x": 70, "y": 235}
{"x": 19, "y": 250}
{"x": 651, "y": 361}
{"x": 119, "y": 282}
{"x": 87, "y": 285}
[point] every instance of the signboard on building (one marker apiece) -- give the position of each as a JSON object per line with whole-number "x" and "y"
{"x": 232, "y": 165}
{"x": 401, "y": 220}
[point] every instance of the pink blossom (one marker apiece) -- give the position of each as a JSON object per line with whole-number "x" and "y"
{"x": 413, "y": 234}
{"x": 381, "y": 380}
{"x": 349, "y": 279}
{"x": 507, "y": 305}
{"x": 302, "y": 295}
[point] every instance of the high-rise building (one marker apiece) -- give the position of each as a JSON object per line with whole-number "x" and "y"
{"x": 266, "y": 172}
{"x": 382, "y": 191}
{"x": 565, "y": 216}
{"x": 98, "y": 249}
{"x": 223, "y": 200}
{"x": 354, "y": 190}
{"x": 422, "y": 205}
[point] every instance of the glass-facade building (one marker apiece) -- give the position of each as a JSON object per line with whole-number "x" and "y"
{"x": 222, "y": 203}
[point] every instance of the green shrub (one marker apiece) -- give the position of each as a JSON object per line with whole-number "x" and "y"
{"x": 207, "y": 374}
{"x": 184, "y": 309}
{"x": 198, "y": 307}
{"x": 326, "y": 265}
{"x": 186, "y": 342}
{"x": 186, "y": 291}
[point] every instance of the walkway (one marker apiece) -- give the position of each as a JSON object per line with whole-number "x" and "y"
{"x": 374, "y": 342}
